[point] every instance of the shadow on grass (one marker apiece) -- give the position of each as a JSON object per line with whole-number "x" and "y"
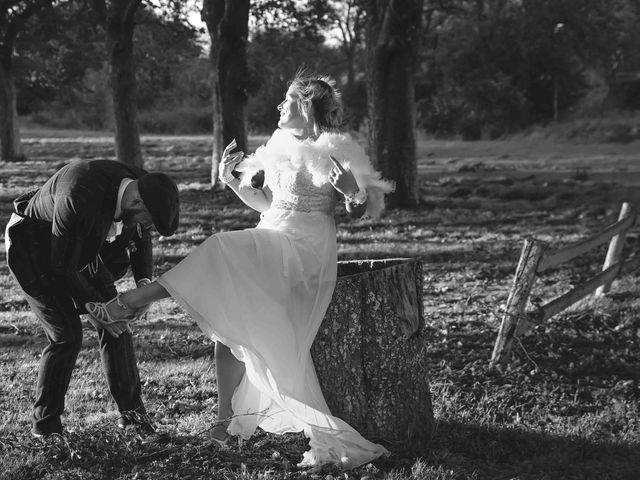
{"x": 103, "y": 453}
{"x": 600, "y": 355}
{"x": 459, "y": 451}
{"x": 506, "y": 453}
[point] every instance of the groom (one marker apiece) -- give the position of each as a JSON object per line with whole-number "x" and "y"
{"x": 58, "y": 242}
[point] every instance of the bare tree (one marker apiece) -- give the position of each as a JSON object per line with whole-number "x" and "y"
{"x": 117, "y": 18}
{"x": 13, "y": 17}
{"x": 228, "y": 25}
{"x": 347, "y": 18}
{"x": 392, "y": 36}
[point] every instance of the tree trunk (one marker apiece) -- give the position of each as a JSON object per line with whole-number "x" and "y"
{"x": 13, "y": 18}
{"x": 228, "y": 26}
{"x": 393, "y": 28}
{"x": 105, "y": 90}
{"x": 370, "y": 352}
{"x": 9, "y": 131}
{"x": 120, "y": 26}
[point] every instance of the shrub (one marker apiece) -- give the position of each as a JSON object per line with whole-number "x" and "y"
{"x": 59, "y": 119}
{"x": 485, "y": 109}
{"x": 177, "y": 120}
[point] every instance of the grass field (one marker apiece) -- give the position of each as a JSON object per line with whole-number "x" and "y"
{"x": 567, "y": 406}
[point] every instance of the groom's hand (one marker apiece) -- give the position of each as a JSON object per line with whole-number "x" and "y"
{"x": 115, "y": 329}
{"x": 118, "y": 328}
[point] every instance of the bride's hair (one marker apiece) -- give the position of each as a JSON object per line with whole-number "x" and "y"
{"x": 318, "y": 100}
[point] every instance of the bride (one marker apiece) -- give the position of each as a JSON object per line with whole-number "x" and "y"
{"x": 261, "y": 293}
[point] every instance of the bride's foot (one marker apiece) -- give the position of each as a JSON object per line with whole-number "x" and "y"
{"x": 112, "y": 316}
{"x": 112, "y": 311}
{"x": 219, "y": 434}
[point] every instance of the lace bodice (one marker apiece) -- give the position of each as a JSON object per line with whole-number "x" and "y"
{"x": 293, "y": 189}
{"x": 297, "y": 171}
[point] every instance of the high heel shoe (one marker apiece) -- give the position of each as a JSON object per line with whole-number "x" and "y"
{"x": 100, "y": 318}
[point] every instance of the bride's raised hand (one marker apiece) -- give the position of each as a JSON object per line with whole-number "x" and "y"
{"x": 228, "y": 162}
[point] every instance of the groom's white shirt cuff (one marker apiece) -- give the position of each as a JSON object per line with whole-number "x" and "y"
{"x": 116, "y": 225}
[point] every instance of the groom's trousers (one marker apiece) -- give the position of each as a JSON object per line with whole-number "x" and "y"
{"x": 28, "y": 250}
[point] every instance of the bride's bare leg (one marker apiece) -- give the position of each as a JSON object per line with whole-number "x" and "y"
{"x": 229, "y": 372}
{"x": 136, "y": 298}
{"x": 139, "y": 297}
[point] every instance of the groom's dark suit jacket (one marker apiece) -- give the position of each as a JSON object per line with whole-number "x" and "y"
{"x": 67, "y": 221}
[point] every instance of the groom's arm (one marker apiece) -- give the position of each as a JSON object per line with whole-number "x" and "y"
{"x": 142, "y": 256}
{"x": 67, "y": 239}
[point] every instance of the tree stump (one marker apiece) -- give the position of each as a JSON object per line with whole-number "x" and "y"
{"x": 370, "y": 352}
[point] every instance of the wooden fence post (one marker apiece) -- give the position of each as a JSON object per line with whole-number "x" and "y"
{"x": 512, "y": 325}
{"x": 615, "y": 249}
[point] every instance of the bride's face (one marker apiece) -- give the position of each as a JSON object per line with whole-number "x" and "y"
{"x": 290, "y": 115}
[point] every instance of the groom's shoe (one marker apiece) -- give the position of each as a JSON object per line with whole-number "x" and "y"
{"x": 133, "y": 418}
{"x": 144, "y": 428}
{"x": 123, "y": 421}
{"x": 41, "y": 434}
{"x": 149, "y": 435}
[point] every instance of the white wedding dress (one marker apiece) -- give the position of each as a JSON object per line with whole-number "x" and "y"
{"x": 264, "y": 291}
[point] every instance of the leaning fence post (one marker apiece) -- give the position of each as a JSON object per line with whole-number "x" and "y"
{"x": 615, "y": 249}
{"x": 516, "y": 303}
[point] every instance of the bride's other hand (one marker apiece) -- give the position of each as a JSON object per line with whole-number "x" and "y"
{"x": 228, "y": 162}
{"x": 342, "y": 179}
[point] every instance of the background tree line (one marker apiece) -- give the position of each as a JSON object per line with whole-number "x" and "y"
{"x": 490, "y": 63}
{"x": 466, "y": 68}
